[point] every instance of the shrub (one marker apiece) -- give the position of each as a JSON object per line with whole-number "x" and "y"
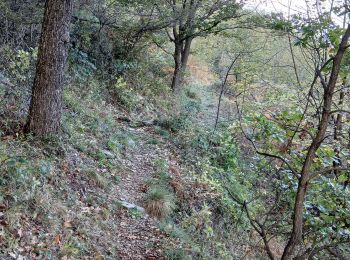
{"x": 81, "y": 66}
{"x": 123, "y": 94}
{"x": 18, "y": 65}
{"x": 16, "y": 76}
{"x": 191, "y": 94}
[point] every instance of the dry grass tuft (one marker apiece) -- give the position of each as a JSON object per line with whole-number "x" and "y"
{"x": 159, "y": 203}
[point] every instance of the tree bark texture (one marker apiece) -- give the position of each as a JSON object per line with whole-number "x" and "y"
{"x": 181, "y": 55}
{"x": 47, "y": 93}
{"x": 178, "y": 66}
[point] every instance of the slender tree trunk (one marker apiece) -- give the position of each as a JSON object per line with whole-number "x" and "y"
{"x": 183, "y": 36}
{"x": 176, "y": 81}
{"x": 297, "y": 232}
{"x": 186, "y": 53}
{"x": 6, "y": 31}
{"x": 339, "y": 119}
{"x": 46, "y": 104}
{"x": 223, "y": 87}
{"x": 181, "y": 56}
{"x": 337, "y": 131}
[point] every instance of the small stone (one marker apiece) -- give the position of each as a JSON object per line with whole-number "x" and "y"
{"x": 132, "y": 206}
{"x": 108, "y": 154}
{"x": 131, "y": 143}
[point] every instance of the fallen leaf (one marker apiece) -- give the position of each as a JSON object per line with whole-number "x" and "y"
{"x": 99, "y": 257}
{"x": 67, "y": 224}
{"x": 57, "y": 240}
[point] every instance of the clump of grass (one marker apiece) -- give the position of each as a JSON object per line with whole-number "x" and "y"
{"x": 69, "y": 249}
{"x": 97, "y": 179}
{"x": 159, "y": 202}
{"x": 153, "y": 141}
{"x": 175, "y": 254}
{"x": 135, "y": 213}
{"x": 160, "y": 164}
{"x": 174, "y": 231}
{"x": 191, "y": 94}
{"x": 162, "y": 132}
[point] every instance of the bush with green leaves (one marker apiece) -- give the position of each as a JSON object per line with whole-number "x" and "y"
{"x": 18, "y": 65}
{"x": 124, "y": 94}
{"x": 82, "y": 69}
{"x": 16, "y": 77}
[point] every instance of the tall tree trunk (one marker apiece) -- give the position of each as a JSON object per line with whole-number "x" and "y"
{"x": 297, "y": 232}
{"x": 46, "y": 104}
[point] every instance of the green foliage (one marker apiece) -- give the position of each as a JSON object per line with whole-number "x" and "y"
{"x": 16, "y": 76}
{"x": 123, "y": 94}
{"x": 82, "y": 68}
{"x": 191, "y": 94}
{"x": 150, "y": 74}
{"x": 175, "y": 254}
{"x": 181, "y": 118}
{"x": 160, "y": 165}
{"x": 328, "y": 214}
{"x": 135, "y": 213}
{"x": 19, "y": 65}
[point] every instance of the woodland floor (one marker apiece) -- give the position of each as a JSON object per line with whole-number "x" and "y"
{"x": 89, "y": 205}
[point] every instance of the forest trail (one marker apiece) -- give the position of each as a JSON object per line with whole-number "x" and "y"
{"x": 201, "y": 81}
{"x": 205, "y": 83}
{"x": 102, "y": 190}
{"x": 139, "y": 236}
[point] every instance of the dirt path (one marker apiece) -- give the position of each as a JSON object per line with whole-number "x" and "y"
{"x": 138, "y": 234}
{"x": 203, "y": 80}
